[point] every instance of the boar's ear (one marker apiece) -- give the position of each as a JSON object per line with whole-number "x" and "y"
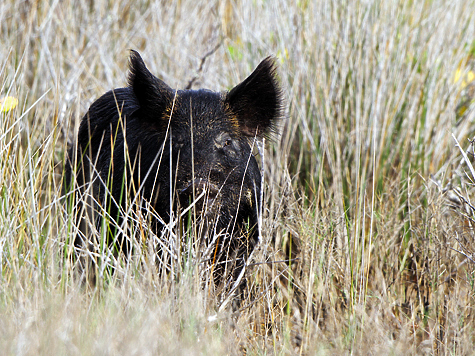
{"x": 153, "y": 95}
{"x": 257, "y": 102}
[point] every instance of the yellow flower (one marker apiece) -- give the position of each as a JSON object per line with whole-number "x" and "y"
{"x": 468, "y": 78}
{"x": 8, "y": 103}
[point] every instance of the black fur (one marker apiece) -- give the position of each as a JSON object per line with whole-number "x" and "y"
{"x": 132, "y": 134}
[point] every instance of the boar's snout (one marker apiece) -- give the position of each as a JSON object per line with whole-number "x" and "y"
{"x": 202, "y": 193}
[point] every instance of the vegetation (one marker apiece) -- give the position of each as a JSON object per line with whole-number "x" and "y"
{"x": 367, "y": 242}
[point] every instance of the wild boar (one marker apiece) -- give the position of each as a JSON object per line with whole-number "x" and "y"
{"x": 161, "y": 150}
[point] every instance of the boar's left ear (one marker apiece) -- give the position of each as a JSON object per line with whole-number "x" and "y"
{"x": 257, "y": 102}
{"x": 153, "y": 95}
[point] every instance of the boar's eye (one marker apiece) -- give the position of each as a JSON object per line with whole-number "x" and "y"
{"x": 225, "y": 143}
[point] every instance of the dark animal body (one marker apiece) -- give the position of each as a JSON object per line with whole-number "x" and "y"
{"x": 162, "y": 149}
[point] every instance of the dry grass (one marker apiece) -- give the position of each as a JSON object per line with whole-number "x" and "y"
{"x": 368, "y": 193}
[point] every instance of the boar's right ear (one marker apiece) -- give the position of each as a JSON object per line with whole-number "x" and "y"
{"x": 153, "y": 95}
{"x": 257, "y": 103}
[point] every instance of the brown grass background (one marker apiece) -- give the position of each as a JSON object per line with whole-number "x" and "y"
{"x": 367, "y": 240}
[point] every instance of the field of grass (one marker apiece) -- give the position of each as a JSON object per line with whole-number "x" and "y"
{"x": 367, "y": 232}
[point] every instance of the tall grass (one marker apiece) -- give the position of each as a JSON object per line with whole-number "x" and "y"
{"x": 367, "y": 241}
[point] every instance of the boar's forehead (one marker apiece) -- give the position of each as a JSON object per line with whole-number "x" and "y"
{"x": 203, "y": 111}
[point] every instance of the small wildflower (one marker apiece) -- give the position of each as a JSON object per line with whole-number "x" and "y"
{"x": 466, "y": 80}
{"x": 8, "y": 103}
